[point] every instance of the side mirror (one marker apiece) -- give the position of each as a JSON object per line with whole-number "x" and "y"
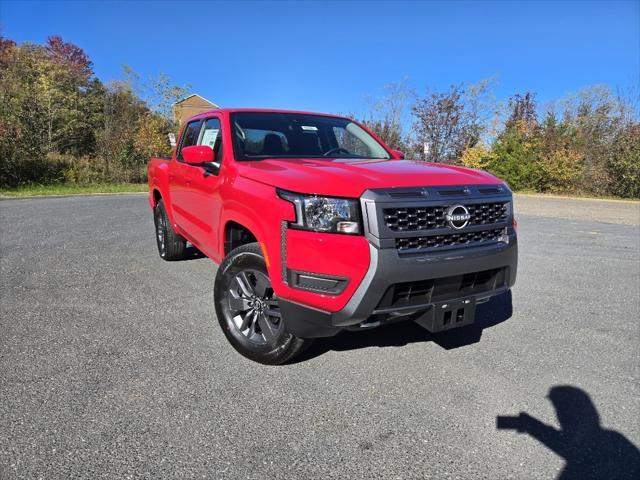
{"x": 198, "y": 155}
{"x": 398, "y": 154}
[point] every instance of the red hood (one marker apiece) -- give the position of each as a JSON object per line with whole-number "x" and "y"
{"x": 351, "y": 177}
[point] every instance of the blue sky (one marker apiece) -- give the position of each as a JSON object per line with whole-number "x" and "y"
{"x": 332, "y": 56}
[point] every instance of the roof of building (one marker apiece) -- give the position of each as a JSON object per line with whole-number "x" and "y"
{"x": 195, "y": 95}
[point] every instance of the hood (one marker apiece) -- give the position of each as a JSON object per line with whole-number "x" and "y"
{"x": 351, "y": 177}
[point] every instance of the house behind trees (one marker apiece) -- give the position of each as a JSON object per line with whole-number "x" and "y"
{"x": 191, "y": 105}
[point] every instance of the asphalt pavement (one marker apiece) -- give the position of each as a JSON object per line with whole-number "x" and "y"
{"x": 112, "y": 364}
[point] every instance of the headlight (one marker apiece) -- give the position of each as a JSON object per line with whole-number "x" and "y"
{"x": 325, "y": 214}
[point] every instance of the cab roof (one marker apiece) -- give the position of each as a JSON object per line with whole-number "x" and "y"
{"x": 260, "y": 110}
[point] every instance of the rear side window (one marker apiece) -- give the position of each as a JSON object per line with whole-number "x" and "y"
{"x": 190, "y": 136}
{"x": 211, "y": 136}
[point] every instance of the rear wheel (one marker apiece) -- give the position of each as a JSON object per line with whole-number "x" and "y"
{"x": 248, "y": 310}
{"x": 171, "y": 246}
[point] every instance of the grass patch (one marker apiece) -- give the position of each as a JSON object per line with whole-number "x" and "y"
{"x": 72, "y": 189}
{"x": 578, "y": 195}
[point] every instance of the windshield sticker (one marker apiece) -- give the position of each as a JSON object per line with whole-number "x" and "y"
{"x": 310, "y": 128}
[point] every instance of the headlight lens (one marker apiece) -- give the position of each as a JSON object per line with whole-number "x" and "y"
{"x": 325, "y": 214}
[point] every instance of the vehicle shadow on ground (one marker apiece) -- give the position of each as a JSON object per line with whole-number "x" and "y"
{"x": 495, "y": 311}
{"x": 590, "y": 451}
{"x": 192, "y": 253}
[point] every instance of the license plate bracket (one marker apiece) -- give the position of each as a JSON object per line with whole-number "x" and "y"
{"x": 447, "y": 315}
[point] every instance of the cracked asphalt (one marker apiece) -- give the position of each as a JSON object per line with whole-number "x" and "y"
{"x": 112, "y": 364}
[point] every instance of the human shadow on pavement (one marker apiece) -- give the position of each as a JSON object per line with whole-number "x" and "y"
{"x": 590, "y": 451}
{"x": 488, "y": 314}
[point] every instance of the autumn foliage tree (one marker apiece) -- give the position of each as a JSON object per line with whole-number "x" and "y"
{"x": 449, "y": 122}
{"x": 441, "y": 126}
{"x": 60, "y": 123}
{"x": 590, "y": 144}
{"x": 587, "y": 143}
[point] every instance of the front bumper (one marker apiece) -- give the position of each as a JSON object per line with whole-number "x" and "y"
{"x": 446, "y": 278}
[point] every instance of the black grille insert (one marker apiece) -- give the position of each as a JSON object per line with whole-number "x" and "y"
{"x": 406, "y": 219}
{"x": 414, "y": 218}
{"x": 424, "y": 292}
{"x": 487, "y": 213}
{"x": 410, "y": 244}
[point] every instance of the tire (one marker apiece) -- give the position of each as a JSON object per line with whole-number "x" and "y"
{"x": 171, "y": 246}
{"x": 248, "y": 311}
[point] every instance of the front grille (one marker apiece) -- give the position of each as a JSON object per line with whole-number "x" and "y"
{"x": 406, "y": 219}
{"x": 408, "y": 244}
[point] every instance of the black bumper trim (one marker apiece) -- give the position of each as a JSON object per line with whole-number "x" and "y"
{"x": 316, "y": 282}
{"x": 306, "y": 322}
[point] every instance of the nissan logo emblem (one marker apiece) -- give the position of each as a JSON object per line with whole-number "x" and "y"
{"x": 457, "y": 216}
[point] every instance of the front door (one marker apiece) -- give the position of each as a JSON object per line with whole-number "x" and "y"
{"x": 181, "y": 181}
{"x": 204, "y": 190}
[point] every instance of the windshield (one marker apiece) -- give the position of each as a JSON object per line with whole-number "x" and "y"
{"x": 259, "y": 135}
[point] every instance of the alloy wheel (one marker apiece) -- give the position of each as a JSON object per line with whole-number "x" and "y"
{"x": 254, "y": 307}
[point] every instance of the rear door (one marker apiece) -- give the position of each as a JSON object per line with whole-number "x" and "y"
{"x": 181, "y": 181}
{"x": 204, "y": 189}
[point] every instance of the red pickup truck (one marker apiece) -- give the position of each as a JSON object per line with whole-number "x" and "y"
{"x": 320, "y": 227}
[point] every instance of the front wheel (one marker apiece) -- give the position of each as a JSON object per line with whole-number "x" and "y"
{"x": 248, "y": 309}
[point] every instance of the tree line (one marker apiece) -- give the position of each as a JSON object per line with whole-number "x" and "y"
{"x": 587, "y": 143}
{"x": 60, "y": 124}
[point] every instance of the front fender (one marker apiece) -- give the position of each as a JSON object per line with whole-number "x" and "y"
{"x": 257, "y": 207}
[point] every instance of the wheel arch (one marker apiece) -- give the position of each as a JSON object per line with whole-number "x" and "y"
{"x": 156, "y": 196}
{"x": 235, "y": 235}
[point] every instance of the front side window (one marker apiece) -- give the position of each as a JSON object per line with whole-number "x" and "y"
{"x": 211, "y": 136}
{"x": 190, "y": 136}
{"x": 258, "y": 135}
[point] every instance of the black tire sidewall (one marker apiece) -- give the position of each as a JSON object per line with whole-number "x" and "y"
{"x": 174, "y": 244}
{"x": 160, "y": 211}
